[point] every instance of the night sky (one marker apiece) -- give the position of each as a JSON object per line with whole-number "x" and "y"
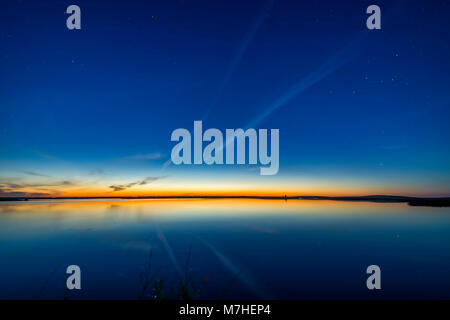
{"x": 90, "y": 112}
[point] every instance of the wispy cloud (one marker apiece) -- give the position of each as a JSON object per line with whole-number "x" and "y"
{"x": 9, "y": 193}
{"x": 237, "y": 57}
{"x": 353, "y": 49}
{"x": 46, "y": 156}
{"x": 121, "y": 187}
{"x": 147, "y": 156}
{"x": 330, "y": 65}
{"x": 32, "y": 173}
{"x": 13, "y": 185}
{"x": 96, "y": 172}
{"x": 166, "y": 164}
{"x": 19, "y": 189}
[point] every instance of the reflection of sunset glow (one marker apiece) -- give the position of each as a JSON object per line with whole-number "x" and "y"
{"x": 88, "y": 214}
{"x": 184, "y": 208}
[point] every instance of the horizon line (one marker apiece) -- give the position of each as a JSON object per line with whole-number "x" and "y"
{"x": 413, "y": 201}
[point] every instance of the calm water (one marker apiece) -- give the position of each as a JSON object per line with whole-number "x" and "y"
{"x": 239, "y": 249}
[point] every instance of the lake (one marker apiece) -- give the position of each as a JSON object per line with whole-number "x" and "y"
{"x": 223, "y": 249}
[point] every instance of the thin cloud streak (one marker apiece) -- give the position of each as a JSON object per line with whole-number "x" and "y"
{"x": 32, "y": 173}
{"x": 237, "y": 57}
{"x": 121, "y": 187}
{"x": 330, "y": 65}
{"x": 148, "y": 156}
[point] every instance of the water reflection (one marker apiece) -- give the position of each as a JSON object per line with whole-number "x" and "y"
{"x": 225, "y": 248}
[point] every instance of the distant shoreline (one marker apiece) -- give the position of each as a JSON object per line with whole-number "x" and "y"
{"x": 412, "y": 201}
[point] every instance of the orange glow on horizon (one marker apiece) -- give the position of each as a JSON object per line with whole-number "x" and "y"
{"x": 227, "y": 191}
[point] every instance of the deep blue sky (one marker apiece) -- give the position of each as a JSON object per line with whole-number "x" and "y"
{"x": 353, "y": 106}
